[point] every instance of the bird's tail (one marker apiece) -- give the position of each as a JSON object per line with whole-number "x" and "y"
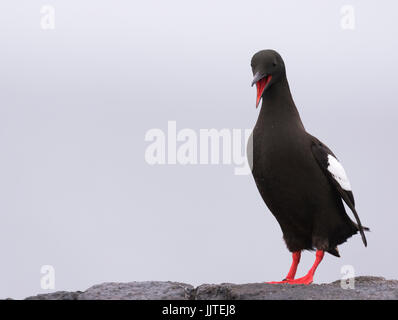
{"x": 334, "y": 251}
{"x": 363, "y": 227}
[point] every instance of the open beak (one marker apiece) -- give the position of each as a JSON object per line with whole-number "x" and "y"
{"x": 261, "y": 81}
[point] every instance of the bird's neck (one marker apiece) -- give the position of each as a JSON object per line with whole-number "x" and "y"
{"x": 278, "y": 103}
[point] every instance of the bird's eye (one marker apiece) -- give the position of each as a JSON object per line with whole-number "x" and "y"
{"x": 274, "y": 64}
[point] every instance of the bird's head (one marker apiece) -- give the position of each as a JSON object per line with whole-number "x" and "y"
{"x": 268, "y": 68}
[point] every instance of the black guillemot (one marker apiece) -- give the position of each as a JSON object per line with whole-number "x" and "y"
{"x": 299, "y": 178}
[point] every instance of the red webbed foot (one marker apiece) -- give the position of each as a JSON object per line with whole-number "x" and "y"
{"x": 292, "y": 272}
{"x": 308, "y": 279}
{"x": 279, "y": 282}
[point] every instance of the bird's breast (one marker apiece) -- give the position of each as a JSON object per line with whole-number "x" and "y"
{"x": 280, "y": 154}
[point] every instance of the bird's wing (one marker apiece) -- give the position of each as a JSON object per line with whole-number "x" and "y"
{"x": 333, "y": 169}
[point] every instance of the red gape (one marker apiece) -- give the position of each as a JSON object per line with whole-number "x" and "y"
{"x": 309, "y": 277}
{"x": 261, "y": 84}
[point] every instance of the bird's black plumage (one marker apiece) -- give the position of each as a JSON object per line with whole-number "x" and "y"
{"x": 294, "y": 172}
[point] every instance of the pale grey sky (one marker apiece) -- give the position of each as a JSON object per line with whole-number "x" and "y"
{"x": 76, "y": 102}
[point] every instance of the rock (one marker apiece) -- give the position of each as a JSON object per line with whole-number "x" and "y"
{"x": 59, "y": 295}
{"x": 366, "y": 288}
{"x": 145, "y": 290}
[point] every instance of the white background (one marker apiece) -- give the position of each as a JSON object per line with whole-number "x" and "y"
{"x": 76, "y": 102}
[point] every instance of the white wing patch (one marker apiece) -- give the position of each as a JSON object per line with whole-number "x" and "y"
{"x": 338, "y": 172}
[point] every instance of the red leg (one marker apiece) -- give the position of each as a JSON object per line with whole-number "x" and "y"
{"x": 292, "y": 272}
{"x": 309, "y": 277}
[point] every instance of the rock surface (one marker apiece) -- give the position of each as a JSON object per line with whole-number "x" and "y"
{"x": 366, "y": 288}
